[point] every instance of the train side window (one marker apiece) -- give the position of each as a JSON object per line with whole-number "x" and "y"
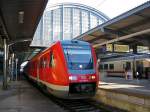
{"x": 44, "y": 63}
{"x": 52, "y": 63}
{"x": 111, "y": 66}
{"x": 124, "y": 66}
{"x": 105, "y": 66}
{"x": 101, "y": 67}
{"x": 47, "y": 64}
{"x": 128, "y": 65}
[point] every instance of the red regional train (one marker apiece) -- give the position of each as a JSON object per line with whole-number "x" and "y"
{"x": 67, "y": 69}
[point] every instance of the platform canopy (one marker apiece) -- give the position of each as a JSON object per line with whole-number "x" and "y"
{"x": 18, "y": 22}
{"x": 130, "y": 28}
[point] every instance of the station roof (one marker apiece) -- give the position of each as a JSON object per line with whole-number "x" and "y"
{"x": 19, "y": 20}
{"x": 132, "y": 27}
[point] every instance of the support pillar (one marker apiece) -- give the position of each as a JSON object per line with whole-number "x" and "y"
{"x": 134, "y": 47}
{"x": 113, "y": 47}
{"x": 5, "y": 64}
{"x": 8, "y": 75}
{"x": 16, "y": 70}
{"x": 9, "y": 66}
{"x": 12, "y": 66}
{"x": 134, "y": 68}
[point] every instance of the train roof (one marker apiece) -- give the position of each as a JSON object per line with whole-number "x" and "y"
{"x": 77, "y": 42}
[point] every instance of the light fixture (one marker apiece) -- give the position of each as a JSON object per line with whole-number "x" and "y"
{"x": 72, "y": 77}
{"x": 21, "y": 17}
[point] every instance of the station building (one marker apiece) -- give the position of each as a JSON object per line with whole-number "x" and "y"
{"x": 66, "y": 21}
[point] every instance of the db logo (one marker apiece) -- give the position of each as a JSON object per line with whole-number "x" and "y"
{"x": 83, "y": 77}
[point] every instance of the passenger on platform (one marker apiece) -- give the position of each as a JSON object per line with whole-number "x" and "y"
{"x": 139, "y": 72}
{"x": 126, "y": 70}
{"x": 128, "y": 73}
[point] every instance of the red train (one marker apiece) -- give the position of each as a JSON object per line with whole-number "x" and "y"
{"x": 67, "y": 69}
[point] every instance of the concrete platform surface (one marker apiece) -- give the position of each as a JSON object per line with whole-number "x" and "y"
{"x": 135, "y": 87}
{"x": 23, "y": 97}
{"x": 130, "y": 95}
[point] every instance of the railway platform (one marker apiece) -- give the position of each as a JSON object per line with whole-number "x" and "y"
{"x": 23, "y": 97}
{"x": 130, "y": 95}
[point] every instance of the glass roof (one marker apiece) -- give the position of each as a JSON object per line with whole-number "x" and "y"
{"x": 108, "y": 7}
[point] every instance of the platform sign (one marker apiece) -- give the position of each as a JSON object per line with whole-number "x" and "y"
{"x": 121, "y": 48}
{"x": 143, "y": 49}
{"x": 109, "y": 47}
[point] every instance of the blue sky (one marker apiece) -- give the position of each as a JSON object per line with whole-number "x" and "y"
{"x": 111, "y": 8}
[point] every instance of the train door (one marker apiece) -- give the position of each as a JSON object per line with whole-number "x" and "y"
{"x": 44, "y": 68}
{"x": 41, "y": 69}
{"x": 139, "y": 69}
{"x": 128, "y": 65}
{"x": 46, "y": 71}
{"x": 49, "y": 67}
{"x": 43, "y": 64}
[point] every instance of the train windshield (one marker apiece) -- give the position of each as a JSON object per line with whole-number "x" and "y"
{"x": 79, "y": 60}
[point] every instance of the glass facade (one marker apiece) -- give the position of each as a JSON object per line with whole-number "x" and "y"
{"x": 94, "y": 20}
{"x": 85, "y": 22}
{"x": 76, "y": 22}
{"x": 56, "y": 25}
{"x": 47, "y": 29}
{"x": 66, "y": 21}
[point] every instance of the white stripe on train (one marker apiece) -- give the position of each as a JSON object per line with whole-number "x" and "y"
{"x": 52, "y": 86}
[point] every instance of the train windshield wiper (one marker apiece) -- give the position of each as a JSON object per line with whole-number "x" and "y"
{"x": 69, "y": 59}
{"x": 89, "y": 63}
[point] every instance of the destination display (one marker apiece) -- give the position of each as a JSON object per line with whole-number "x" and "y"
{"x": 121, "y": 48}
{"x": 143, "y": 49}
{"x": 117, "y": 48}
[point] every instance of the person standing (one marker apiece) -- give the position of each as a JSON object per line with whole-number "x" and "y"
{"x": 128, "y": 73}
{"x": 139, "y": 72}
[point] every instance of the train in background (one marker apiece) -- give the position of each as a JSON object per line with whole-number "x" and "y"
{"x": 67, "y": 69}
{"x": 117, "y": 68}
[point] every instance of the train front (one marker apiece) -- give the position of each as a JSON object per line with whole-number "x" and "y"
{"x": 81, "y": 62}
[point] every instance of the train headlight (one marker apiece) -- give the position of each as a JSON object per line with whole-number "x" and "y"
{"x": 92, "y": 77}
{"x": 72, "y": 77}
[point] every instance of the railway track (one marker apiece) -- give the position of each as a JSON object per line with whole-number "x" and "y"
{"x": 77, "y": 105}
{"x": 82, "y": 105}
